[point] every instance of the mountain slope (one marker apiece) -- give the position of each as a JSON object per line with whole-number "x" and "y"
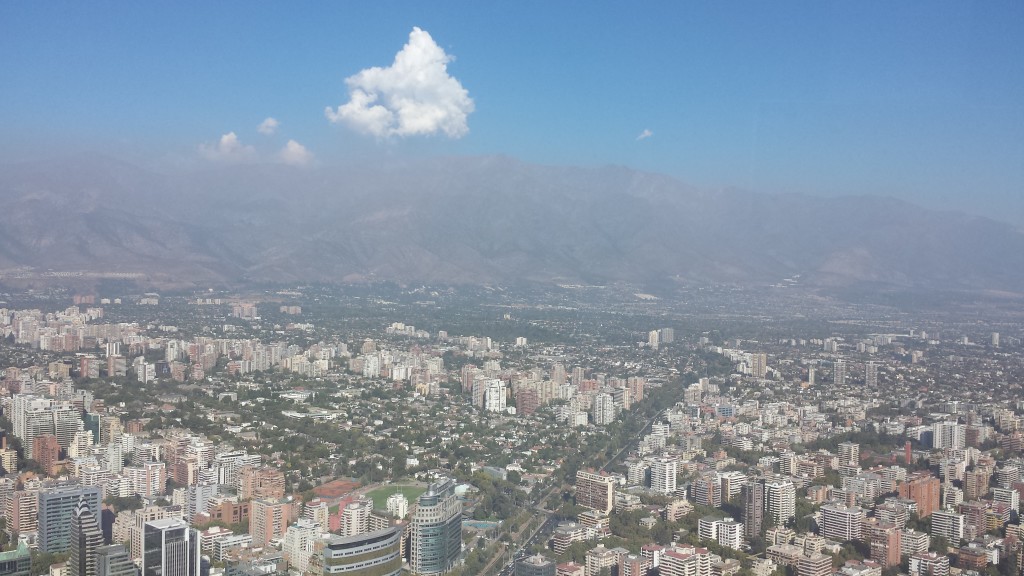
{"x": 478, "y": 220}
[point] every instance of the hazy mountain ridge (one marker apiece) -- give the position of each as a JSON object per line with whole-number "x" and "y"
{"x": 478, "y": 220}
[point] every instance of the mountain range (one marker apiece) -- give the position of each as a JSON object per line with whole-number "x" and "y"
{"x": 476, "y": 220}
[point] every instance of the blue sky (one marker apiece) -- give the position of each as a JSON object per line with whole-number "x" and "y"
{"x": 917, "y": 100}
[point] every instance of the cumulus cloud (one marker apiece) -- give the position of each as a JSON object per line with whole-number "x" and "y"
{"x": 227, "y": 149}
{"x": 645, "y": 134}
{"x": 295, "y": 154}
{"x": 268, "y": 126}
{"x": 413, "y": 96}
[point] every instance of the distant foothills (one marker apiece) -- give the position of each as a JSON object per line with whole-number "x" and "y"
{"x": 476, "y": 220}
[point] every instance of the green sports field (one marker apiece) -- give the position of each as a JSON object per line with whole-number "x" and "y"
{"x": 380, "y": 495}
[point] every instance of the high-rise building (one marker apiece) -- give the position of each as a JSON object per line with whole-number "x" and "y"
{"x": 377, "y": 553}
{"x": 884, "y": 541}
{"x": 114, "y": 561}
{"x": 871, "y": 375}
{"x": 595, "y": 491}
{"x": 57, "y": 505}
{"x": 663, "y": 475}
{"x": 922, "y": 488}
{"x": 398, "y": 505}
{"x": 724, "y": 531}
{"x": 779, "y": 501}
{"x": 299, "y": 542}
{"x": 849, "y": 453}
{"x": 814, "y": 564}
{"x": 707, "y": 491}
{"x": 495, "y": 397}
{"x": 259, "y": 482}
{"x": 841, "y": 523}
{"x": 604, "y": 409}
{"x": 976, "y": 483}
{"x": 170, "y": 548}
{"x": 436, "y": 532}
{"x": 948, "y": 434}
{"x": 46, "y": 451}
{"x": 86, "y": 538}
{"x": 839, "y": 372}
{"x": 355, "y": 517}
{"x": 948, "y": 525}
{"x": 268, "y": 519}
{"x": 753, "y": 507}
{"x": 759, "y": 365}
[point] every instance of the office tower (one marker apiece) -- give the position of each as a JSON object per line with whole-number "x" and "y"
{"x": 849, "y": 454}
{"x": 114, "y": 561}
{"x": 949, "y": 435}
{"x": 268, "y": 519}
{"x": 595, "y": 491}
{"x": 535, "y": 566}
{"x": 86, "y": 538}
{"x": 663, "y": 475}
{"x": 839, "y": 372}
{"x": 753, "y": 507}
{"x": 170, "y": 548}
{"x": 922, "y": 488}
{"x": 17, "y": 562}
{"x": 841, "y": 523}
{"x": 779, "y": 501}
{"x": 378, "y": 553}
{"x": 436, "y": 532}
{"x": 871, "y": 375}
{"x": 57, "y": 505}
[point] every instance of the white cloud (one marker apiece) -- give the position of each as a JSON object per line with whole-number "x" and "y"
{"x": 645, "y": 134}
{"x": 227, "y": 149}
{"x": 413, "y": 96}
{"x": 295, "y": 154}
{"x": 268, "y": 126}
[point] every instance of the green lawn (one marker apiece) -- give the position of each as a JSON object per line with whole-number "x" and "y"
{"x": 380, "y": 495}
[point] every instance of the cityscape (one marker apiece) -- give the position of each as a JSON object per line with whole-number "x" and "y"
{"x": 376, "y": 430}
{"x": 686, "y": 288}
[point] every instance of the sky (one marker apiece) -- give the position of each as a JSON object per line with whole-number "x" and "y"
{"x": 921, "y": 100}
